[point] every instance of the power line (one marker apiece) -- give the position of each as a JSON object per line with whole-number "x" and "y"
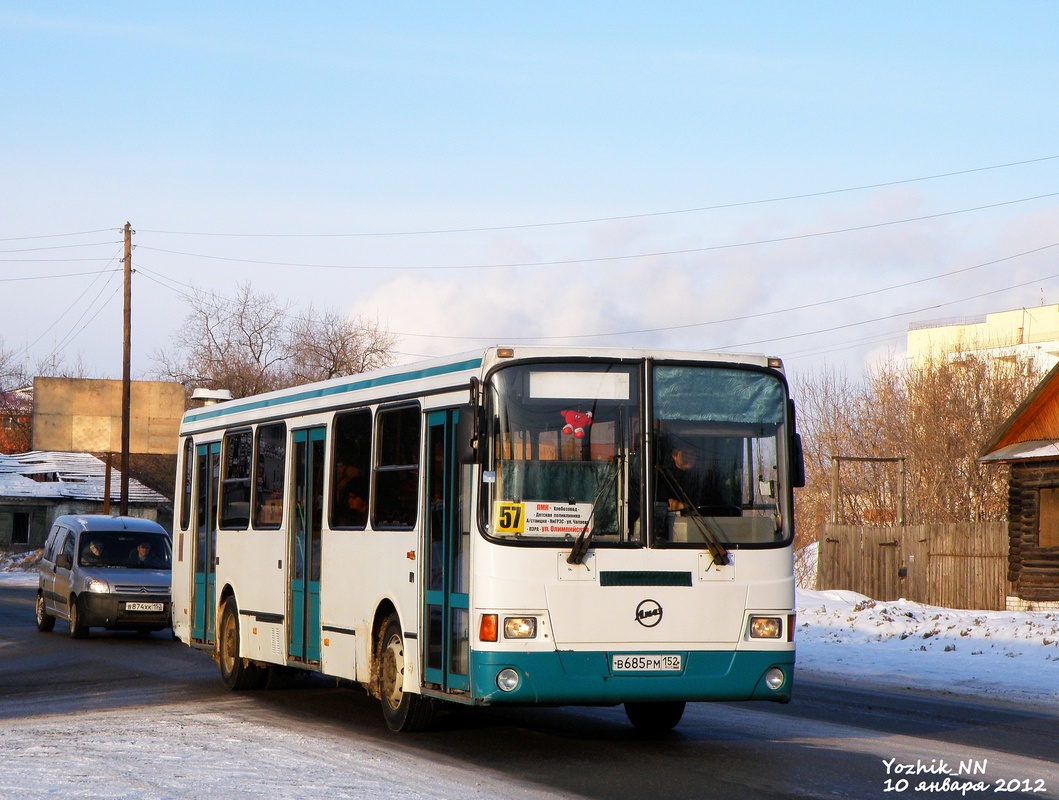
{"x": 603, "y": 259}
{"x": 890, "y": 316}
{"x": 743, "y": 317}
{"x": 51, "y": 277}
{"x": 617, "y": 218}
{"x": 55, "y": 235}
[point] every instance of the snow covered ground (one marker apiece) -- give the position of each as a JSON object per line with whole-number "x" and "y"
{"x": 994, "y": 655}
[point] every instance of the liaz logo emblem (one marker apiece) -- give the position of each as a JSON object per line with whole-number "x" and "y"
{"x": 649, "y": 613}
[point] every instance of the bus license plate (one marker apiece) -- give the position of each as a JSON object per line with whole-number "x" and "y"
{"x": 144, "y": 607}
{"x": 656, "y": 662}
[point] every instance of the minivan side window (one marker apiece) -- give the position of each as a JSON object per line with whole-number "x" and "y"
{"x": 53, "y": 540}
{"x": 68, "y": 546}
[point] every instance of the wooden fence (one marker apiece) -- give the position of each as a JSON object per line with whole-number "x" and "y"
{"x": 953, "y": 565}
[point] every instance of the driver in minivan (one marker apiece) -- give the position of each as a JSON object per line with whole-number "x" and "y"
{"x": 141, "y": 556}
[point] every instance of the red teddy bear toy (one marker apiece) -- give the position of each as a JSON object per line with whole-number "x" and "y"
{"x": 576, "y": 422}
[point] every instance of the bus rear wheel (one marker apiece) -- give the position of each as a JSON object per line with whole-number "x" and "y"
{"x": 236, "y": 672}
{"x": 656, "y": 717}
{"x": 403, "y": 711}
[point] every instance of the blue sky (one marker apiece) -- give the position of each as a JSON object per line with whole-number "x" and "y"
{"x": 309, "y": 150}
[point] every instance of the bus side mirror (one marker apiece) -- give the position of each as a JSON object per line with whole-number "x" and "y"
{"x": 467, "y": 435}
{"x": 797, "y": 462}
{"x": 797, "y": 457}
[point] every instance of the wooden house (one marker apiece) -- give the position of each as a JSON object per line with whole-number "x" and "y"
{"x": 1029, "y": 442}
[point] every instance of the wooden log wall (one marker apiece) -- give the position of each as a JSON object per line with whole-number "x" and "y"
{"x": 1033, "y": 569}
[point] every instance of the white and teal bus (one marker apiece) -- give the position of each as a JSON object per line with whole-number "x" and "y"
{"x": 521, "y": 525}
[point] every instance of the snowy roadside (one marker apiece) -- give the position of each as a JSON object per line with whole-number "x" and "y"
{"x": 898, "y": 644}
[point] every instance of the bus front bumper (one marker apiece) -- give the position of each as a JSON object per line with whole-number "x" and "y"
{"x": 587, "y": 678}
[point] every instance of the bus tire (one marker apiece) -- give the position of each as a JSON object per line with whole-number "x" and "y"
{"x": 656, "y": 717}
{"x": 278, "y": 678}
{"x": 236, "y": 672}
{"x": 78, "y": 628}
{"x": 403, "y": 711}
{"x": 45, "y": 621}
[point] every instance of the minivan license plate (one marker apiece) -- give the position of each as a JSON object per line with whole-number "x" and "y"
{"x": 654, "y": 662}
{"x": 144, "y": 607}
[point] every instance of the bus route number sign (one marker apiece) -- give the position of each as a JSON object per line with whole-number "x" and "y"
{"x": 510, "y": 517}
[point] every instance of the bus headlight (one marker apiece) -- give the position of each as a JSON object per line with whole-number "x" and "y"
{"x": 520, "y": 627}
{"x": 766, "y": 627}
{"x": 507, "y": 680}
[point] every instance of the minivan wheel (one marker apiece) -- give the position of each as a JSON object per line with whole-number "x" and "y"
{"x": 78, "y": 628}
{"x": 45, "y": 621}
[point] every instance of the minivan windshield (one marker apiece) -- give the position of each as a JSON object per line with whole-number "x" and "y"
{"x": 146, "y": 550}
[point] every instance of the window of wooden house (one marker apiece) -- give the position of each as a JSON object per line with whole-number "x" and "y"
{"x": 1048, "y": 517}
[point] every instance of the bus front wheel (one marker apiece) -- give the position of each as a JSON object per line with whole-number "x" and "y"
{"x": 403, "y": 711}
{"x": 656, "y": 717}
{"x": 236, "y": 672}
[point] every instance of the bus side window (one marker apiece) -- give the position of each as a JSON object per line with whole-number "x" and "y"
{"x": 235, "y": 485}
{"x": 396, "y": 485}
{"x": 269, "y": 464}
{"x": 349, "y": 473}
{"x": 185, "y": 499}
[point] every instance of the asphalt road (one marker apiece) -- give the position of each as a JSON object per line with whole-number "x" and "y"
{"x": 833, "y": 741}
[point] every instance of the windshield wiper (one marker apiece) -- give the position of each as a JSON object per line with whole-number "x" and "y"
{"x": 584, "y": 539}
{"x": 713, "y": 541}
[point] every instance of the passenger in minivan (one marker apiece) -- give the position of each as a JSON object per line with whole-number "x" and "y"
{"x": 93, "y": 554}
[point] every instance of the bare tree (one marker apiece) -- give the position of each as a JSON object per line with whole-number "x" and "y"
{"x": 327, "y": 344}
{"x": 936, "y": 416}
{"x": 251, "y": 343}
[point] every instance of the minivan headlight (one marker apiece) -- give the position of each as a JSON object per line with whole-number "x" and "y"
{"x": 96, "y": 585}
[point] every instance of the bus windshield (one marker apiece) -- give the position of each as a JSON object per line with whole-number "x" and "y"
{"x": 718, "y": 436}
{"x": 565, "y": 443}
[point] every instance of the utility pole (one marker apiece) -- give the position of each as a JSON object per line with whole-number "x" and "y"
{"x": 126, "y": 375}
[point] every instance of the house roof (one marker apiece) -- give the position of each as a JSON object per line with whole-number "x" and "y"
{"x": 1032, "y": 430}
{"x": 74, "y": 476}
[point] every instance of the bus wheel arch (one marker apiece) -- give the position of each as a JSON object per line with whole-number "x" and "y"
{"x": 404, "y": 711}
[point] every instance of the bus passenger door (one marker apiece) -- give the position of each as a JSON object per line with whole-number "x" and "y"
{"x": 446, "y": 555}
{"x": 204, "y": 606}
{"x": 304, "y": 558}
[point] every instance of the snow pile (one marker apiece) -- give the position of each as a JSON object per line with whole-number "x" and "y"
{"x": 911, "y": 645}
{"x": 20, "y": 568}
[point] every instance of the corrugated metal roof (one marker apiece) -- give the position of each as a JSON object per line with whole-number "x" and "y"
{"x": 75, "y": 476}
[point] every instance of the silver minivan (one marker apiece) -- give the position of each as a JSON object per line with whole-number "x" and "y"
{"x": 105, "y": 572}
